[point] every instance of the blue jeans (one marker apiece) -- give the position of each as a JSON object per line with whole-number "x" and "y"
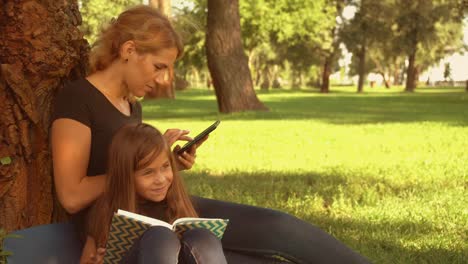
{"x": 265, "y": 232}
{"x": 162, "y": 246}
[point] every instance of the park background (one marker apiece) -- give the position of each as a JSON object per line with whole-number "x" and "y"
{"x": 351, "y": 115}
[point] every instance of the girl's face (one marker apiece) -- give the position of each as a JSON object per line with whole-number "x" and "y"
{"x": 142, "y": 72}
{"x": 153, "y": 181}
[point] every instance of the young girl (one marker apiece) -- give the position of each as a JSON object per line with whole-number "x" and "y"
{"x": 142, "y": 178}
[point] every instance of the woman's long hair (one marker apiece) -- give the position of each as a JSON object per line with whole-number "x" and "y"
{"x": 134, "y": 147}
{"x": 146, "y": 26}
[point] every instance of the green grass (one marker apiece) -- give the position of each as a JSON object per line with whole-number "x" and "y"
{"x": 385, "y": 171}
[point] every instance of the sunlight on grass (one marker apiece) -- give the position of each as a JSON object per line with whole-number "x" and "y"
{"x": 385, "y": 172}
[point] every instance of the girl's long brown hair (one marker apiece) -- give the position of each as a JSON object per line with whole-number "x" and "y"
{"x": 134, "y": 147}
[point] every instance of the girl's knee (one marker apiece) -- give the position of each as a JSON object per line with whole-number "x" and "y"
{"x": 202, "y": 246}
{"x": 200, "y": 236}
{"x": 159, "y": 236}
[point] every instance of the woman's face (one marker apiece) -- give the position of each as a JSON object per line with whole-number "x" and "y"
{"x": 142, "y": 72}
{"x": 153, "y": 181}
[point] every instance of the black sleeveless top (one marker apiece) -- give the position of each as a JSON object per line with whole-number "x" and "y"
{"x": 83, "y": 102}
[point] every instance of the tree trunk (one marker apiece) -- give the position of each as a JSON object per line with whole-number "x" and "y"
{"x": 411, "y": 71}
{"x": 226, "y": 59}
{"x": 40, "y": 48}
{"x": 386, "y": 83}
{"x": 466, "y": 86}
{"x": 362, "y": 68}
{"x": 266, "y": 83}
{"x": 163, "y": 5}
{"x": 162, "y": 91}
{"x": 325, "y": 88}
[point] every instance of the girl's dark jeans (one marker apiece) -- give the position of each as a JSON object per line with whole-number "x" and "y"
{"x": 162, "y": 246}
{"x": 260, "y": 231}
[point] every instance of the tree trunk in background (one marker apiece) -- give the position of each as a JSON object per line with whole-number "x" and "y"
{"x": 40, "y": 48}
{"x": 162, "y": 91}
{"x": 362, "y": 68}
{"x": 227, "y": 62}
{"x": 386, "y": 83}
{"x": 325, "y": 88}
{"x": 410, "y": 73}
{"x": 266, "y": 83}
{"x": 163, "y": 5}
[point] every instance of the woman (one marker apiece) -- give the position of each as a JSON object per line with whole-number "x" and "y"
{"x": 137, "y": 50}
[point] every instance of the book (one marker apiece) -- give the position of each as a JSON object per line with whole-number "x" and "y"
{"x": 126, "y": 227}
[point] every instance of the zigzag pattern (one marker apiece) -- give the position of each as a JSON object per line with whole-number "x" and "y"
{"x": 122, "y": 234}
{"x": 217, "y": 227}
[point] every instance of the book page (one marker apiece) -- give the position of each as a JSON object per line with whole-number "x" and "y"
{"x": 145, "y": 219}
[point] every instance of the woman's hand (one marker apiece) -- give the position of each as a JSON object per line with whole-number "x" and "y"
{"x": 186, "y": 160}
{"x": 98, "y": 257}
{"x": 172, "y": 135}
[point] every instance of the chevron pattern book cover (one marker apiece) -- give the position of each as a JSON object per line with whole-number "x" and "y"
{"x": 126, "y": 227}
{"x": 216, "y": 226}
{"x": 124, "y": 230}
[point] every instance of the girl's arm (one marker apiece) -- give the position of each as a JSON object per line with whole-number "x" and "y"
{"x": 71, "y": 145}
{"x": 90, "y": 254}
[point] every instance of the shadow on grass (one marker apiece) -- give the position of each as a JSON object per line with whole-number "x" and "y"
{"x": 335, "y": 108}
{"x": 381, "y": 240}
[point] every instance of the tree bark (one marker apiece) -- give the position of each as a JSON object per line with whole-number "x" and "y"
{"x": 362, "y": 68}
{"x": 410, "y": 73}
{"x": 325, "y": 88}
{"x": 163, "y": 5}
{"x": 227, "y": 62}
{"x": 40, "y": 48}
{"x": 386, "y": 83}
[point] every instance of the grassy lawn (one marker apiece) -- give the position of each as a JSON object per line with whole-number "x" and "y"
{"x": 385, "y": 172}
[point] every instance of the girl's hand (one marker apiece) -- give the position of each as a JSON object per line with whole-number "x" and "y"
{"x": 174, "y": 134}
{"x": 98, "y": 257}
{"x": 186, "y": 160}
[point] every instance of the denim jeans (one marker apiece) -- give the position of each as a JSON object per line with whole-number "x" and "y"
{"x": 162, "y": 246}
{"x": 265, "y": 232}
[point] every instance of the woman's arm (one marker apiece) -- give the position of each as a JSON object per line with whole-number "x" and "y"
{"x": 71, "y": 144}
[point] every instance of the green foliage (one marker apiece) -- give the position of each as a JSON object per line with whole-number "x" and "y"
{"x": 385, "y": 172}
{"x": 97, "y": 13}
{"x": 191, "y": 24}
{"x": 4, "y": 254}
{"x": 433, "y": 28}
{"x": 5, "y": 160}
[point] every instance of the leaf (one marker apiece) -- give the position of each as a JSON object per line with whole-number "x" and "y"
{"x": 5, "y": 160}
{"x": 5, "y": 253}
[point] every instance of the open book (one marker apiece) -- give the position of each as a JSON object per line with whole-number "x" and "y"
{"x": 126, "y": 227}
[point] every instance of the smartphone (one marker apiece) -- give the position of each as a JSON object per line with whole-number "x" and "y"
{"x": 198, "y": 137}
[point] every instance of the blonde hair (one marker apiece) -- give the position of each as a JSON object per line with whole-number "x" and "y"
{"x": 147, "y": 27}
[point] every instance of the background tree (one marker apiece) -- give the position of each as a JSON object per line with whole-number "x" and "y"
{"x": 227, "y": 62}
{"x": 426, "y": 27}
{"x": 96, "y": 13}
{"x": 368, "y": 31}
{"x": 40, "y": 49}
{"x": 332, "y": 52}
